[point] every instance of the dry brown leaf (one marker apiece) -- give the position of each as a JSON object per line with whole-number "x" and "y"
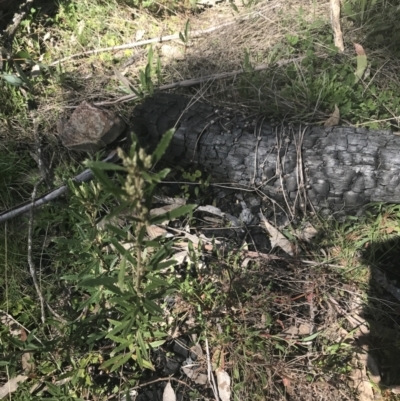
{"x": 23, "y": 335}
{"x": 302, "y": 330}
{"x": 155, "y": 231}
{"x": 277, "y": 238}
{"x": 306, "y": 233}
{"x": 192, "y": 373}
{"x": 27, "y": 362}
{"x": 11, "y": 385}
{"x": 334, "y": 119}
{"x": 197, "y": 350}
{"x": 359, "y": 49}
{"x": 224, "y": 384}
{"x": 169, "y": 393}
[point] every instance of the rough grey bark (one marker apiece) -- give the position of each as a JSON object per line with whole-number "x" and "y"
{"x": 335, "y": 170}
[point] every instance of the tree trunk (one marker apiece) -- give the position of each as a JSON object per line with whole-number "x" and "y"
{"x": 334, "y": 170}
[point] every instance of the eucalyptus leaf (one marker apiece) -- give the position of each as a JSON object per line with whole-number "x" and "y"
{"x": 12, "y": 79}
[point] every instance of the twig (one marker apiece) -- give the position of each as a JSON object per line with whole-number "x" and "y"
{"x": 160, "y": 379}
{"x": 141, "y": 43}
{"x": 335, "y": 20}
{"x": 32, "y": 269}
{"x": 87, "y": 175}
{"x": 280, "y": 169}
{"x": 210, "y": 373}
{"x": 196, "y": 81}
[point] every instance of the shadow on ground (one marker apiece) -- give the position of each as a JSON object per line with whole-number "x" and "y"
{"x": 383, "y": 311}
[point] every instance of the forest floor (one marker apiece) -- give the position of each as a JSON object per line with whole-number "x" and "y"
{"x": 95, "y": 312}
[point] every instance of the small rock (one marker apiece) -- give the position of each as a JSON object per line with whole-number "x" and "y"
{"x": 90, "y": 128}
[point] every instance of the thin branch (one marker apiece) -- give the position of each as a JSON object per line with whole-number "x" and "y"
{"x": 86, "y": 176}
{"x": 32, "y": 269}
{"x": 197, "y": 81}
{"x": 132, "y": 45}
{"x": 210, "y": 373}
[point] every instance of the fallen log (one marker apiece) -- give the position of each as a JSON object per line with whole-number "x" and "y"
{"x": 334, "y": 170}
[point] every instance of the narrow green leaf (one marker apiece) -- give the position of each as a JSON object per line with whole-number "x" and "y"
{"x": 107, "y": 282}
{"x": 102, "y": 177}
{"x": 156, "y": 344}
{"x": 123, "y": 251}
{"x": 116, "y": 230}
{"x": 152, "y": 307}
{"x": 147, "y": 365}
{"x": 104, "y": 166}
{"x": 141, "y": 343}
{"x": 142, "y": 78}
{"x": 187, "y": 25}
{"x": 159, "y": 281}
{"x": 117, "y": 329}
{"x": 159, "y": 71}
{"x": 309, "y": 338}
{"x": 121, "y": 348}
{"x": 23, "y": 76}
{"x": 147, "y": 73}
{"x": 119, "y": 340}
{"x": 139, "y": 358}
{"x": 116, "y": 361}
{"x": 150, "y": 55}
{"x": 163, "y": 145}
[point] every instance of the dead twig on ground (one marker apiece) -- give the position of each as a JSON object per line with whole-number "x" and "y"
{"x": 196, "y": 81}
{"x": 85, "y": 176}
{"x": 141, "y": 43}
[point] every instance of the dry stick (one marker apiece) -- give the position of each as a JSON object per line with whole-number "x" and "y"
{"x": 196, "y": 81}
{"x": 210, "y": 373}
{"x": 279, "y": 168}
{"x": 32, "y": 269}
{"x": 142, "y": 43}
{"x": 87, "y": 175}
{"x": 335, "y": 20}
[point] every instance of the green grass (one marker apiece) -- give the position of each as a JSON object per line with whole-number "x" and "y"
{"x": 240, "y": 308}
